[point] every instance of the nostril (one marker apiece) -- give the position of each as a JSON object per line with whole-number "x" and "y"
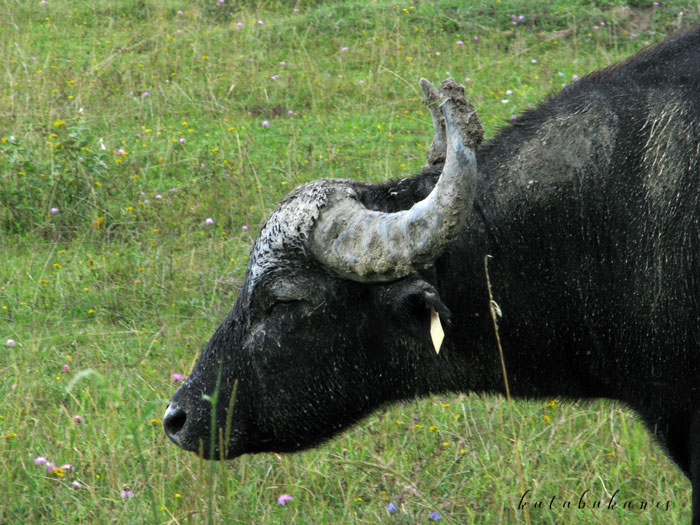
{"x": 174, "y": 420}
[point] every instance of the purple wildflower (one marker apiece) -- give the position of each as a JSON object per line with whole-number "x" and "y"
{"x": 283, "y": 499}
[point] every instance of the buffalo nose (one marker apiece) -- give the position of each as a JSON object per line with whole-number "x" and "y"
{"x": 173, "y": 421}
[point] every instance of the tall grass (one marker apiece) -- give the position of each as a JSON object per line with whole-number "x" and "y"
{"x": 126, "y": 124}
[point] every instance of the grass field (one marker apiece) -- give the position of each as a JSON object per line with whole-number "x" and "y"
{"x": 143, "y": 143}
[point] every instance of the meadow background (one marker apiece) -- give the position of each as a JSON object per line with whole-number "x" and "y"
{"x": 143, "y": 143}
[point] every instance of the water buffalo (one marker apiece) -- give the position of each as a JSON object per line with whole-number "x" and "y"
{"x": 587, "y": 209}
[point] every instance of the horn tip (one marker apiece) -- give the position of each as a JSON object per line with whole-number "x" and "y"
{"x": 429, "y": 91}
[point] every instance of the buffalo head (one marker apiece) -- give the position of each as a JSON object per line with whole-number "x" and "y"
{"x": 337, "y": 298}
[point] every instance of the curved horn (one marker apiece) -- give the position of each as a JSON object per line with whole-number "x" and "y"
{"x": 371, "y": 246}
{"x": 438, "y": 149}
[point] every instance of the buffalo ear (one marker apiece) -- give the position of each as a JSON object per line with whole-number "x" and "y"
{"x": 415, "y": 306}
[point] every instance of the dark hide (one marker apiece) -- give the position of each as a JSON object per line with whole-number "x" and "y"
{"x": 589, "y": 206}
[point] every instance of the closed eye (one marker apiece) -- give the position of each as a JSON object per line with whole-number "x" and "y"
{"x": 284, "y": 304}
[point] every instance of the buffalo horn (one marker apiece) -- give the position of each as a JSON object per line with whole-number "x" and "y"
{"x": 373, "y": 246}
{"x": 437, "y": 150}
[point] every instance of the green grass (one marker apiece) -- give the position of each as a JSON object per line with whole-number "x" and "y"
{"x": 125, "y": 283}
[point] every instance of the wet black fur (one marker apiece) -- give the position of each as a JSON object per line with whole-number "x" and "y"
{"x": 589, "y": 207}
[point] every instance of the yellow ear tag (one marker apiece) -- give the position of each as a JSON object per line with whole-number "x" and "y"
{"x": 437, "y": 334}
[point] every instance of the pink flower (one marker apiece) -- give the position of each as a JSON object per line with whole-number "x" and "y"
{"x": 11, "y": 342}
{"x": 265, "y": 124}
{"x": 239, "y": 25}
{"x": 244, "y": 227}
{"x": 460, "y": 43}
{"x": 77, "y": 484}
{"x": 260, "y": 22}
{"x": 77, "y": 419}
{"x": 209, "y": 221}
{"x": 145, "y": 94}
{"x": 126, "y": 494}
{"x": 283, "y": 499}
{"x": 40, "y": 460}
{"x": 344, "y": 48}
{"x": 65, "y": 368}
{"x": 53, "y": 211}
{"x": 176, "y": 377}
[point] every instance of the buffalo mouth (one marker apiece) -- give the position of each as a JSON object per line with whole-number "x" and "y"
{"x": 191, "y": 432}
